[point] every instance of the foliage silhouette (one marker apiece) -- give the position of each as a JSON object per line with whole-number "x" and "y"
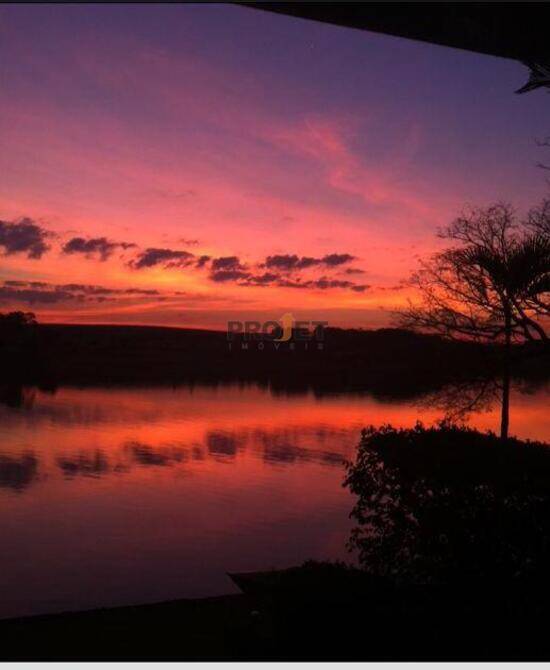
{"x": 21, "y": 356}
{"x": 448, "y": 504}
{"x": 16, "y": 325}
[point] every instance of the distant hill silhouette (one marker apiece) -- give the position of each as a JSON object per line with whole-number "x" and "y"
{"x": 387, "y": 362}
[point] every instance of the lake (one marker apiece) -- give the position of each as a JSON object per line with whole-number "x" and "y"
{"x": 113, "y": 496}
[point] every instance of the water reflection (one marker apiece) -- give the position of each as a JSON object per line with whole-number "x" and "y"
{"x": 93, "y": 464}
{"x": 174, "y": 427}
{"x": 135, "y": 495}
{"x": 17, "y": 473}
{"x": 275, "y": 447}
{"x": 16, "y": 396}
{"x": 145, "y": 454}
{"x": 460, "y": 400}
{"x": 222, "y": 444}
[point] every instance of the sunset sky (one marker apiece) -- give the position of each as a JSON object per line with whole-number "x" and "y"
{"x": 185, "y": 164}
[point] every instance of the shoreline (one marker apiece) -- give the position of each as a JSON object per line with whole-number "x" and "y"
{"x": 303, "y": 615}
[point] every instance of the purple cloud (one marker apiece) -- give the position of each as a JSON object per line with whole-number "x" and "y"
{"x": 202, "y": 261}
{"x": 291, "y": 262}
{"x": 24, "y": 236}
{"x": 227, "y": 263}
{"x": 167, "y": 258}
{"x": 100, "y": 246}
{"x": 331, "y": 260}
{"x": 228, "y": 275}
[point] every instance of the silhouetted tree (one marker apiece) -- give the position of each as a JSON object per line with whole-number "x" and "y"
{"x": 538, "y": 219}
{"x": 492, "y": 284}
{"x": 20, "y": 355}
{"x": 16, "y": 321}
{"x": 15, "y": 327}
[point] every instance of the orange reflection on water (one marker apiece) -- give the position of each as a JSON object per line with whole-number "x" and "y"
{"x": 114, "y": 496}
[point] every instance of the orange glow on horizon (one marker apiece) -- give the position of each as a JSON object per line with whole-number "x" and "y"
{"x": 173, "y": 138}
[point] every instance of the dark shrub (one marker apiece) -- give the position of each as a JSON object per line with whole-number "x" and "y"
{"x": 450, "y": 503}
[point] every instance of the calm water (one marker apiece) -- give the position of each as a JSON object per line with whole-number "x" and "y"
{"x": 125, "y": 496}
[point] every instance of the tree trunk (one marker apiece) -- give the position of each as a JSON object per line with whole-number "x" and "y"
{"x": 505, "y": 409}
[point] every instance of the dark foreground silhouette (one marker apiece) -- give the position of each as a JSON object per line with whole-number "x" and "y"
{"x": 453, "y": 544}
{"x": 314, "y": 612}
{"x": 451, "y": 505}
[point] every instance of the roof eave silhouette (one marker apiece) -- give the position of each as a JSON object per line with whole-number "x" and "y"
{"x": 518, "y": 31}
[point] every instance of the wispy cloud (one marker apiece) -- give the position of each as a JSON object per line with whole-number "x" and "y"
{"x": 45, "y": 293}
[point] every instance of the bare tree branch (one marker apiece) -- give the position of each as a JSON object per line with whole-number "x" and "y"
{"x": 493, "y": 281}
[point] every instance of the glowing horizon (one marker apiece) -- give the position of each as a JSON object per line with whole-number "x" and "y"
{"x": 184, "y": 165}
